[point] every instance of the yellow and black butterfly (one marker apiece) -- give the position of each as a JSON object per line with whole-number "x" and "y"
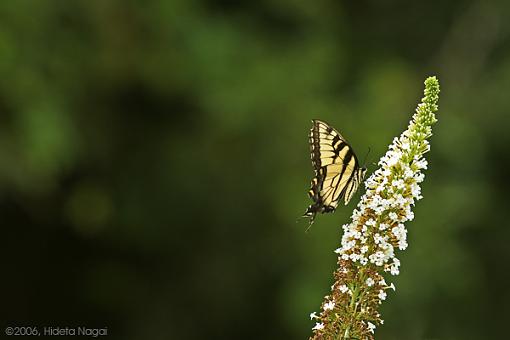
{"x": 337, "y": 171}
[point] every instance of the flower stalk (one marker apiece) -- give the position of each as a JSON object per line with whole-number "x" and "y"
{"x": 377, "y": 231}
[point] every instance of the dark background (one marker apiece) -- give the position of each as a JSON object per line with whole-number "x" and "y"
{"x": 154, "y": 158}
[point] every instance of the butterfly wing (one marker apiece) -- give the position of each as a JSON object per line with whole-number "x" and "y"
{"x": 337, "y": 172}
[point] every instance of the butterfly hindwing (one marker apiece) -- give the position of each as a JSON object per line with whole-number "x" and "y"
{"x": 337, "y": 171}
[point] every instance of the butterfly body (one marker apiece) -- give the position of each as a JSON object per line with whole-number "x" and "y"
{"x": 336, "y": 167}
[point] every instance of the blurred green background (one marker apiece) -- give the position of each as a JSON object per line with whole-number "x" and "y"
{"x": 154, "y": 158}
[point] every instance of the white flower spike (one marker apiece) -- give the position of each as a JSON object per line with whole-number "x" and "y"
{"x": 376, "y": 233}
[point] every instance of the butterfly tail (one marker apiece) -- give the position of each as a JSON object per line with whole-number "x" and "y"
{"x": 310, "y": 213}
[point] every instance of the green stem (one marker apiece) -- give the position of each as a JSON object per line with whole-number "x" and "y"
{"x": 353, "y": 311}
{"x": 352, "y": 305}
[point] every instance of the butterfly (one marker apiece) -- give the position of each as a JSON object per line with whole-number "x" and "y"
{"x": 337, "y": 170}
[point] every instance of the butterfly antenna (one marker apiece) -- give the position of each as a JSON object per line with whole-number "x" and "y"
{"x": 366, "y": 156}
